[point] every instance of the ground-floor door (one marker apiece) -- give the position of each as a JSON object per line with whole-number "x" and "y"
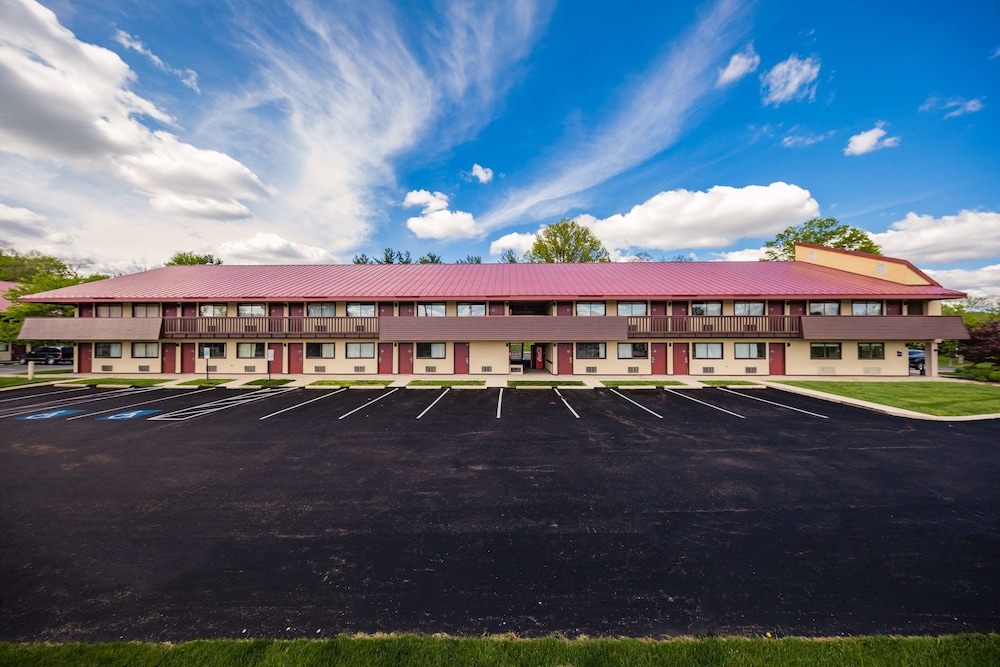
{"x": 169, "y": 363}
{"x": 681, "y": 359}
{"x": 85, "y": 352}
{"x": 187, "y": 357}
{"x": 776, "y": 358}
{"x": 276, "y": 365}
{"x": 295, "y": 361}
{"x": 461, "y": 358}
{"x": 406, "y": 358}
{"x": 658, "y": 358}
{"x": 385, "y": 357}
{"x": 565, "y": 358}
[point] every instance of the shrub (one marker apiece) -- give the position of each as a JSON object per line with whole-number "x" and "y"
{"x": 995, "y": 376}
{"x": 983, "y": 344}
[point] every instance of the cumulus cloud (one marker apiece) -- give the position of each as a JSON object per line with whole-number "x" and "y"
{"x": 436, "y": 221}
{"x": 950, "y": 238}
{"x": 975, "y": 282}
{"x": 484, "y": 174}
{"x": 799, "y": 140}
{"x": 187, "y": 76}
{"x": 790, "y": 80}
{"x": 23, "y": 223}
{"x": 739, "y": 66}
{"x": 266, "y": 248}
{"x": 746, "y": 255}
{"x": 516, "y": 241}
{"x": 716, "y": 217}
{"x": 870, "y": 140}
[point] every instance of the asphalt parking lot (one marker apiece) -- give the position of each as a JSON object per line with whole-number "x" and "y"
{"x": 165, "y": 514}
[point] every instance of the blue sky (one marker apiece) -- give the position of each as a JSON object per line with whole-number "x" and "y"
{"x": 311, "y": 131}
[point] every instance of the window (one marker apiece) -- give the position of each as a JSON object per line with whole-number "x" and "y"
{"x": 748, "y": 308}
{"x": 324, "y": 309}
{"x": 591, "y": 309}
{"x": 871, "y": 350}
{"x": 361, "y": 310}
{"x": 824, "y": 350}
{"x": 430, "y": 350}
{"x": 591, "y": 350}
{"x": 633, "y": 308}
{"x": 251, "y": 310}
{"x": 750, "y": 350}
{"x": 108, "y": 350}
{"x": 633, "y": 350}
{"x": 320, "y": 350}
{"x": 824, "y": 308}
{"x": 108, "y": 310}
{"x": 213, "y": 310}
{"x": 215, "y": 350}
{"x": 708, "y": 350}
{"x": 145, "y": 350}
{"x": 4, "y": 347}
{"x": 472, "y": 310}
{"x": 145, "y": 310}
{"x": 361, "y": 350}
{"x": 430, "y": 310}
{"x": 866, "y": 308}
{"x": 706, "y": 307}
{"x": 249, "y": 350}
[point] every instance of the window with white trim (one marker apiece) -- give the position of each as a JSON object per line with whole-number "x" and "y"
{"x": 213, "y": 310}
{"x": 249, "y": 350}
{"x": 591, "y": 350}
{"x": 591, "y": 308}
{"x": 320, "y": 350}
{"x": 708, "y": 350}
{"x": 430, "y": 310}
{"x": 632, "y": 309}
{"x": 145, "y": 310}
{"x": 251, "y": 310}
{"x": 750, "y": 351}
{"x": 471, "y": 310}
{"x": 706, "y": 307}
{"x": 108, "y": 310}
{"x": 322, "y": 309}
{"x": 748, "y": 307}
{"x": 866, "y": 308}
{"x": 108, "y": 350}
{"x": 360, "y": 350}
{"x": 145, "y": 350}
{"x": 361, "y": 310}
{"x": 824, "y": 308}
{"x": 633, "y": 350}
{"x": 431, "y": 350}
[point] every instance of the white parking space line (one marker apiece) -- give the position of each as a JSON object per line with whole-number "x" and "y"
{"x": 68, "y": 402}
{"x": 391, "y": 391}
{"x": 135, "y": 405}
{"x": 637, "y": 404}
{"x": 780, "y": 405}
{"x": 565, "y": 403}
{"x": 499, "y": 402}
{"x": 434, "y": 403}
{"x": 30, "y": 396}
{"x": 184, "y": 414}
{"x": 299, "y": 405}
{"x": 714, "y": 407}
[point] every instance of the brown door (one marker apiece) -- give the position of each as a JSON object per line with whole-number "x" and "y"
{"x": 385, "y": 356}
{"x": 461, "y": 358}
{"x": 564, "y": 308}
{"x": 565, "y": 358}
{"x": 276, "y": 315}
{"x": 681, "y": 359}
{"x": 893, "y": 308}
{"x": 406, "y": 355}
{"x": 169, "y": 364}
{"x": 797, "y": 308}
{"x": 658, "y": 357}
{"x": 496, "y": 308}
{"x": 295, "y": 358}
{"x": 776, "y": 356}
{"x": 385, "y": 310}
{"x": 170, "y": 310}
{"x": 679, "y": 309}
{"x": 296, "y": 310}
{"x": 658, "y": 308}
{"x": 189, "y": 310}
{"x": 277, "y": 366}
{"x": 406, "y": 309}
{"x": 187, "y": 357}
{"x": 775, "y": 307}
{"x": 86, "y": 310}
{"x": 85, "y": 352}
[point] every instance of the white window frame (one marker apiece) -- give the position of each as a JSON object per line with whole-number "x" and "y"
{"x": 706, "y": 305}
{"x": 109, "y": 310}
{"x": 707, "y": 351}
{"x": 258, "y": 351}
{"x": 602, "y": 350}
{"x": 629, "y": 308}
{"x": 822, "y": 307}
{"x": 360, "y": 350}
{"x": 627, "y": 350}
{"x": 361, "y": 309}
{"x": 213, "y": 309}
{"x": 321, "y": 306}
{"x": 146, "y": 350}
{"x": 591, "y": 309}
{"x": 436, "y": 351}
{"x": 749, "y": 305}
{"x": 324, "y": 348}
{"x": 432, "y": 309}
{"x": 470, "y": 309}
{"x": 750, "y": 351}
{"x": 112, "y": 349}
{"x": 867, "y": 308}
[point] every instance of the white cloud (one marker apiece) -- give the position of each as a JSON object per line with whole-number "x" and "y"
{"x": 17, "y": 223}
{"x": 792, "y": 79}
{"x": 484, "y": 174}
{"x": 995, "y": 54}
{"x": 187, "y": 76}
{"x": 746, "y": 255}
{"x": 870, "y": 140}
{"x": 436, "y": 201}
{"x": 436, "y": 221}
{"x": 10, "y": 214}
{"x": 959, "y": 106}
{"x": 265, "y": 248}
{"x": 951, "y": 238}
{"x": 714, "y": 218}
{"x": 976, "y": 282}
{"x": 796, "y": 141}
{"x": 739, "y": 66}
{"x": 516, "y": 241}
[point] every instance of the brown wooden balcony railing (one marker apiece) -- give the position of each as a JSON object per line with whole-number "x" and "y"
{"x": 270, "y": 327}
{"x": 715, "y": 326}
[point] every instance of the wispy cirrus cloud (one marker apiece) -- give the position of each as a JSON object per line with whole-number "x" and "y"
{"x": 956, "y": 106}
{"x": 188, "y": 77}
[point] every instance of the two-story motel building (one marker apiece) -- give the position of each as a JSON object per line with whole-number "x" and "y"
{"x": 829, "y": 312}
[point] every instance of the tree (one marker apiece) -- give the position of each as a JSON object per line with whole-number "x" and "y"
{"x": 975, "y": 311}
{"x": 825, "y": 232}
{"x": 18, "y": 267}
{"x": 192, "y": 259}
{"x": 641, "y": 256}
{"x": 12, "y": 319}
{"x": 430, "y": 258}
{"x": 564, "y": 242}
{"x": 983, "y": 344}
{"x": 680, "y": 258}
{"x": 508, "y": 256}
{"x": 470, "y": 259}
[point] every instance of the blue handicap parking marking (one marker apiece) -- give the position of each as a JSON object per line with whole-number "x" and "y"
{"x": 131, "y": 414}
{"x": 51, "y": 414}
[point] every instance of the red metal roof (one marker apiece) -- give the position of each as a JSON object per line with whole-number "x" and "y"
{"x": 396, "y": 282}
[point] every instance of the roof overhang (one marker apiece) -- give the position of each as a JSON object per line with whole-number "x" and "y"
{"x": 912, "y": 327}
{"x": 71, "y": 329}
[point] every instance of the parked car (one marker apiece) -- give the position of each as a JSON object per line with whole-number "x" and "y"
{"x": 918, "y": 360}
{"x": 47, "y": 354}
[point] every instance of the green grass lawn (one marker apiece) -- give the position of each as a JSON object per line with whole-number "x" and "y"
{"x": 729, "y": 383}
{"x": 134, "y": 382}
{"x": 17, "y": 382}
{"x": 420, "y": 651}
{"x": 351, "y": 383}
{"x": 446, "y": 383}
{"x": 61, "y": 371}
{"x": 514, "y": 384}
{"x": 641, "y": 383}
{"x": 205, "y": 382}
{"x": 264, "y": 382}
{"x": 951, "y": 399}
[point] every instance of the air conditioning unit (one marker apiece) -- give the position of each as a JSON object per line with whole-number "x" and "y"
{"x": 211, "y": 369}
{"x": 144, "y": 369}
{"x": 359, "y": 327}
{"x": 591, "y": 369}
{"x": 486, "y": 369}
{"x": 319, "y": 369}
{"x": 633, "y": 369}
{"x": 359, "y": 369}
{"x": 249, "y": 369}
{"x": 708, "y": 327}
{"x": 751, "y": 369}
{"x": 750, "y": 327}
{"x": 708, "y": 369}
{"x": 430, "y": 369}
{"x": 107, "y": 368}
{"x": 211, "y": 328}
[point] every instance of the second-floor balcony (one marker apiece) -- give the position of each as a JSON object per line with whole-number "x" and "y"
{"x": 270, "y": 327}
{"x": 715, "y": 326}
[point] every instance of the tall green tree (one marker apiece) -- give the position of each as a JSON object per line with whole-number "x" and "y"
{"x": 430, "y": 258}
{"x": 192, "y": 259}
{"x": 825, "y": 232}
{"x": 12, "y": 319}
{"x": 564, "y": 242}
{"x": 509, "y": 256}
{"x": 18, "y": 267}
{"x": 470, "y": 259}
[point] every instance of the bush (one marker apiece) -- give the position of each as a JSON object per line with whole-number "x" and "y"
{"x": 995, "y": 376}
{"x": 983, "y": 344}
{"x": 985, "y": 364}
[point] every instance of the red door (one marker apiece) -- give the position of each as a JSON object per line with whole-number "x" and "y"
{"x": 496, "y": 308}
{"x": 295, "y": 358}
{"x": 776, "y": 355}
{"x": 797, "y": 308}
{"x": 564, "y": 309}
{"x": 384, "y": 309}
{"x": 658, "y": 308}
{"x": 169, "y": 364}
{"x": 296, "y": 310}
{"x": 277, "y": 366}
{"x": 681, "y": 359}
{"x": 385, "y": 356}
{"x": 190, "y": 309}
{"x": 406, "y": 355}
{"x": 775, "y": 307}
{"x": 406, "y": 309}
{"x": 85, "y": 352}
{"x": 893, "y": 308}
{"x": 170, "y": 310}
{"x": 679, "y": 309}
{"x": 187, "y": 357}
{"x": 658, "y": 355}
{"x": 565, "y": 358}
{"x": 276, "y": 317}
{"x": 461, "y": 358}
{"x": 86, "y": 310}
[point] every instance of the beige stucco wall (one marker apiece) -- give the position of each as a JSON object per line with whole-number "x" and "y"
{"x": 492, "y": 354}
{"x": 611, "y": 365}
{"x": 895, "y": 271}
{"x": 797, "y": 361}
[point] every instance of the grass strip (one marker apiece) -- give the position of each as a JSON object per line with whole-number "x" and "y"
{"x": 545, "y": 383}
{"x": 641, "y": 383}
{"x": 951, "y": 399}
{"x": 17, "y": 382}
{"x": 203, "y": 382}
{"x": 132, "y": 382}
{"x": 351, "y": 383}
{"x": 267, "y": 383}
{"x": 729, "y": 383}
{"x": 420, "y": 651}
{"x": 61, "y": 371}
{"x": 446, "y": 383}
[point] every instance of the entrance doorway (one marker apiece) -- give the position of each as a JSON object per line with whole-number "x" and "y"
{"x": 530, "y": 356}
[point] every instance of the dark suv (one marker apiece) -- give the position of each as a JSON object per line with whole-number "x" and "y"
{"x": 47, "y": 354}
